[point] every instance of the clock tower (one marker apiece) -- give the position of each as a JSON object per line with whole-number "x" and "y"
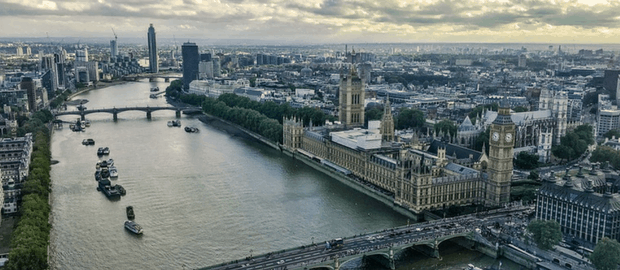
{"x": 501, "y": 146}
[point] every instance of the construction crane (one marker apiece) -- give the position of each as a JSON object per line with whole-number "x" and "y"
{"x": 115, "y": 37}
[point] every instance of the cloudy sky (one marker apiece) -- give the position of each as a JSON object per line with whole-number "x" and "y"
{"x": 321, "y": 21}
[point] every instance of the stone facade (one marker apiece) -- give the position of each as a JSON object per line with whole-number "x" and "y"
{"x": 352, "y": 96}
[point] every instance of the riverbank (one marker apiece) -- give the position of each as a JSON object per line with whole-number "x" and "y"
{"x": 100, "y": 85}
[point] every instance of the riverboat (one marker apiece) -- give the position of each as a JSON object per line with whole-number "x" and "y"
{"x": 155, "y": 89}
{"x": 106, "y": 151}
{"x": 130, "y": 213}
{"x": 191, "y": 129}
{"x": 174, "y": 123}
{"x": 110, "y": 191}
{"x": 153, "y": 95}
{"x": 88, "y": 142}
{"x": 87, "y": 123}
{"x": 100, "y": 151}
{"x": 133, "y": 227}
{"x": 113, "y": 172}
{"x": 110, "y": 162}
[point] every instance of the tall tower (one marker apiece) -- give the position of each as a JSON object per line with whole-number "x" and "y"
{"x": 191, "y": 59}
{"x": 387, "y": 122}
{"x": 292, "y": 132}
{"x": 351, "y": 100}
{"x": 501, "y": 146}
{"x": 28, "y": 84}
{"x": 152, "y": 40}
{"x": 113, "y": 49}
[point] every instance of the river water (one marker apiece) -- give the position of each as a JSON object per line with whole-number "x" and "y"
{"x": 202, "y": 198}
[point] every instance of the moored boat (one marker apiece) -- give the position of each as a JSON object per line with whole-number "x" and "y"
{"x": 130, "y": 213}
{"x": 191, "y": 129}
{"x": 133, "y": 227}
{"x": 106, "y": 151}
{"x": 113, "y": 172}
{"x": 155, "y": 89}
{"x": 110, "y": 162}
{"x": 100, "y": 151}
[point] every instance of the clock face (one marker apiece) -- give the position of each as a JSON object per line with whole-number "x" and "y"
{"x": 495, "y": 136}
{"x": 509, "y": 137}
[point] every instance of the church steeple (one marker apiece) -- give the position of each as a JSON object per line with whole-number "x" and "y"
{"x": 387, "y": 122}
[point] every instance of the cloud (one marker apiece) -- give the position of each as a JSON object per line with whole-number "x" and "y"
{"x": 325, "y": 18}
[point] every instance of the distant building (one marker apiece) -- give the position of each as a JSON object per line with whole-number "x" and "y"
{"x": 607, "y": 116}
{"x": 81, "y": 55}
{"x": 113, "y": 49}
{"x": 153, "y": 57}
{"x": 28, "y": 85}
{"x": 522, "y": 61}
{"x": 191, "y": 59}
{"x": 610, "y": 80}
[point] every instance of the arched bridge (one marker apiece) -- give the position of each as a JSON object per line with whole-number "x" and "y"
{"x": 152, "y": 76}
{"x": 387, "y": 246}
{"x": 115, "y": 111}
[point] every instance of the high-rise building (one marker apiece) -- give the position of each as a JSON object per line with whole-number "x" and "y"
{"x": 27, "y": 84}
{"x": 19, "y": 51}
{"x": 81, "y": 55}
{"x": 191, "y": 58}
{"x": 153, "y": 60}
{"x": 352, "y": 97}
{"x": 113, "y": 49}
{"x": 522, "y": 61}
{"x": 501, "y": 147}
{"x": 217, "y": 66}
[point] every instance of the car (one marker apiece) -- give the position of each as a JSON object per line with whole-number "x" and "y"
{"x": 418, "y": 229}
{"x": 281, "y": 262}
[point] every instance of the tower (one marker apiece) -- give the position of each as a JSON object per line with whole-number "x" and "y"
{"x": 28, "y": 84}
{"x": 387, "y": 122}
{"x": 152, "y": 40}
{"x": 191, "y": 59}
{"x": 351, "y": 100}
{"x": 292, "y": 132}
{"x": 501, "y": 146}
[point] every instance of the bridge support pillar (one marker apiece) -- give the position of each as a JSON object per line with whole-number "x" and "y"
{"x": 115, "y": 116}
{"x": 166, "y": 79}
{"x": 148, "y": 114}
{"x": 151, "y": 79}
{"x": 178, "y": 113}
{"x": 386, "y": 262}
{"x": 82, "y": 116}
{"x": 432, "y": 252}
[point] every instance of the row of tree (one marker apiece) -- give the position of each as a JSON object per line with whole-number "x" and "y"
{"x": 30, "y": 238}
{"x": 605, "y": 154}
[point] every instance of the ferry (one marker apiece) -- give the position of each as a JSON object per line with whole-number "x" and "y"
{"x": 133, "y": 227}
{"x": 174, "y": 123}
{"x": 106, "y": 151}
{"x": 88, "y": 142}
{"x": 100, "y": 151}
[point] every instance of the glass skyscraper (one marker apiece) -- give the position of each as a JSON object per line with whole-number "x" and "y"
{"x": 191, "y": 58}
{"x": 152, "y": 40}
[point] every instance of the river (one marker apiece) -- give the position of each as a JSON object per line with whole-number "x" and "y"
{"x": 202, "y": 198}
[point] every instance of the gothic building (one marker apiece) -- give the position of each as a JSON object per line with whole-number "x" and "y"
{"x": 418, "y": 180}
{"x": 387, "y": 122}
{"x": 352, "y": 95}
{"x": 467, "y": 132}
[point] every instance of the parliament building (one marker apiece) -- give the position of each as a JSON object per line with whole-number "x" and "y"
{"x": 419, "y": 179}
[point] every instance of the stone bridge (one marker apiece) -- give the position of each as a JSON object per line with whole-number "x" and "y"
{"x": 115, "y": 111}
{"x": 387, "y": 246}
{"x": 152, "y": 76}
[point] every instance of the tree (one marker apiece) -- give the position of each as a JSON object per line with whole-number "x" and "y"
{"x": 409, "y": 118}
{"x": 526, "y": 161}
{"x": 562, "y": 152}
{"x": 447, "y": 127}
{"x": 376, "y": 113}
{"x": 606, "y": 254}
{"x": 546, "y": 233}
{"x": 612, "y": 133}
{"x": 482, "y": 139}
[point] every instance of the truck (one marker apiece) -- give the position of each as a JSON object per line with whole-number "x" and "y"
{"x": 334, "y": 243}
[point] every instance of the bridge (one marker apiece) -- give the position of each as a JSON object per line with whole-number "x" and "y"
{"x": 152, "y": 76}
{"x": 387, "y": 246}
{"x": 115, "y": 111}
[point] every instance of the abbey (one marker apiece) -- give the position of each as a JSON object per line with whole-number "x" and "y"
{"x": 416, "y": 179}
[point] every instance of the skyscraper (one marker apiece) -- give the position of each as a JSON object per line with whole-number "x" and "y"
{"x": 191, "y": 58}
{"x": 152, "y": 40}
{"x": 113, "y": 49}
{"x": 28, "y": 84}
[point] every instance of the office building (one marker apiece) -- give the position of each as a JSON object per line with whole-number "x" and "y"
{"x": 28, "y": 85}
{"x": 191, "y": 58}
{"x": 81, "y": 55}
{"x": 153, "y": 60}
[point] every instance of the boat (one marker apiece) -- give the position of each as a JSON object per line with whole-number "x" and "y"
{"x": 88, "y": 142}
{"x": 174, "y": 123}
{"x": 133, "y": 227}
{"x": 170, "y": 123}
{"x": 98, "y": 176}
{"x": 155, "y": 89}
{"x": 121, "y": 190}
{"x": 113, "y": 172}
{"x": 87, "y": 123}
{"x": 108, "y": 189}
{"x": 130, "y": 214}
{"x": 100, "y": 151}
{"x": 191, "y": 129}
{"x": 105, "y": 173}
{"x": 153, "y": 95}
{"x": 106, "y": 151}
{"x": 110, "y": 162}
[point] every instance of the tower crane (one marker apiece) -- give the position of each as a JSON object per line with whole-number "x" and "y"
{"x": 115, "y": 37}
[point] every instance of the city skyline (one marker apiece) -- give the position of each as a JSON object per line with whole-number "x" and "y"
{"x": 324, "y": 21}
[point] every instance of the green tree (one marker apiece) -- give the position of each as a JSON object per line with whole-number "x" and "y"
{"x": 447, "y": 127}
{"x": 547, "y": 233}
{"x": 526, "y": 161}
{"x": 482, "y": 139}
{"x": 606, "y": 254}
{"x": 605, "y": 153}
{"x": 612, "y": 133}
{"x": 562, "y": 152}
{"x": 375, "y": 113}
{"x": 409, "y": 118}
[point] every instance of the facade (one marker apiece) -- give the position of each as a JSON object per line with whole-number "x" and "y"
{"x": 587, "y": 206}
{"x": 81, "y": 55}
{"x": 28, "y": 85}
{"x": 153, "y": 57}
{"x": 113, "y": 49}
{"x": 387, "y": 122}
{"x": 190, "y": 63}
{"x": 607, "y": 116}
{"x": 15, "y": 154}
{"x": 522, "y": 61}
{"x": 352, "y": 96}
{"x": 417, "y": 180}
{"x": 467, "y": 132}
{"x": 557, "y": 103}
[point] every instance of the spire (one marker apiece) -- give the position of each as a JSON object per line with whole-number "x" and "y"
{"x": 387, "y": 108}
{"x": 484, "y": 148}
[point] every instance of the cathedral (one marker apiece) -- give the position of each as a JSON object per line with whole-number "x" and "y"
{"x": 416, "y": 179}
